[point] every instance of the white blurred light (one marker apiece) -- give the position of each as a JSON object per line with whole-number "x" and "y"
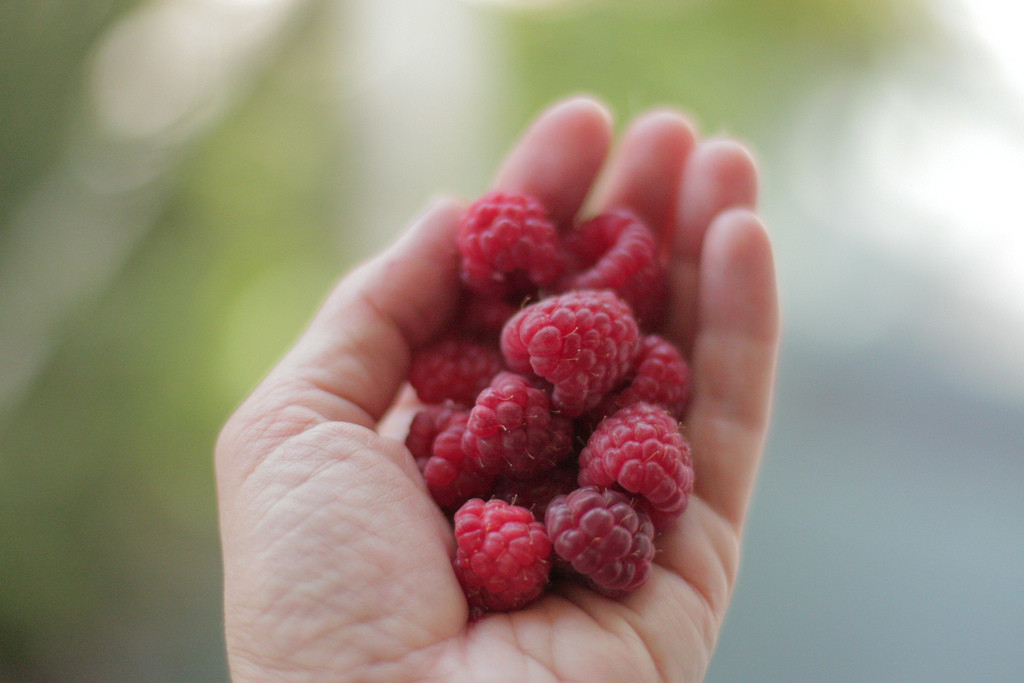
{"x": 924, "y": 169}
{"x": 155, "y": 69}
{"x": 998, "y": 23}
{"x": 524, "y": 3}
{"x": 422, "y": 82}
{"x": 960, "y": 164}
{"x": 167, "y": 68}
{"x": 246, "y": 4}
{"x": 971, "y": 184}
{"x": 959, "y": 175}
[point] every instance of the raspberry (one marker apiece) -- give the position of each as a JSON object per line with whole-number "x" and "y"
{"x": 660, "y": 520}
{"x": 507, "y": 243}
{"x": 535, "y": 493}
{"x": 616, "y": 250}
{"x": 452, "y": 476}
{"x": 518, "y": 384}
{"x": 582, "y": 342}
{"x": 661, "y": 376}
{"x": 601, "y": 536}
{"x": 641, "y": 449}
{"x": 426, "y": 425}
{"x": 511, "y": 429}
{"x": 454, "y": 368}
{"x": 484, "y": 316}
{"x": 503, "y": 557}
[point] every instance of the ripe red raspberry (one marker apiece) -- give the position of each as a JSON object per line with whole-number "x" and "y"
{"x": 601, "y": 536}
{"x": 451, "y": 475}
{"x": 426, "y": 425}
{"x": 582, "y": 342}
{"x": 512, "y": 429}
{"x": 483, "y": 316}
{"x": 640, "y": 449}
{"x": 616, "y": 250}
{"x": 535, "y": 493}
{"x": 455, "y": 368}
{"x": 661, "y": 376}
{"x": 503, "y": 557}
{"x": 504, "y": 239}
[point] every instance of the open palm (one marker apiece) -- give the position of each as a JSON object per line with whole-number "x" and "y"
{"x": 338, "y": 565}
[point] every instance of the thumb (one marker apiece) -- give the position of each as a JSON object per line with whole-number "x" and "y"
{"x": 350, "y": 362}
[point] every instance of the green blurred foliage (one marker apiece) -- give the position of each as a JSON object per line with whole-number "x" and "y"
{"x": 43, "y": 44}
{"x": 109, "y": 557}
{"x": 736, "y": 64}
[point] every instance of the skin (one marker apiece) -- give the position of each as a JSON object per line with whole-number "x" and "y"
{"x": 336, "y": 564}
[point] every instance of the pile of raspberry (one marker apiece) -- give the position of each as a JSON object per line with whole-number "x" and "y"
{"x": 550, "y": 430}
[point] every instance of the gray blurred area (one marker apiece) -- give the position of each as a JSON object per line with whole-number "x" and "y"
{"x": 181, "y": 180}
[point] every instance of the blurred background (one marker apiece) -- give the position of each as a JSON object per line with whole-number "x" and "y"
{"x": 182, "y": 180}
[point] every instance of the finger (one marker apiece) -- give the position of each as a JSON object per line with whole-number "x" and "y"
{"x": 359, "y": 344}
{"x": 395, "y": 423}
{"x": 645, "y": 172}
{"x": 559, "y": 156}
{"x": 354, "y": 356}
{"x": 733, "y": 362}
{"x": 719, "y": 174}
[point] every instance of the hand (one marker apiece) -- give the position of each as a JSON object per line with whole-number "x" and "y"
{"x": 337, "y": 565}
